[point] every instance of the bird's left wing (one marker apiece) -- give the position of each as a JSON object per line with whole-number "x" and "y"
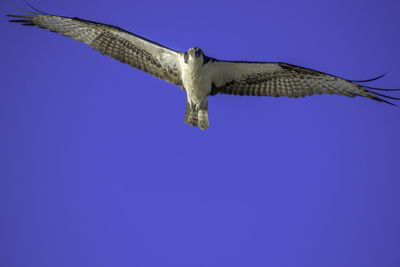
{"x": 112, "y": 41}
{"x": 280, "y": 79}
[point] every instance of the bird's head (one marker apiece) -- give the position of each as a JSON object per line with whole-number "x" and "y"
{"x": 194, "y": 54}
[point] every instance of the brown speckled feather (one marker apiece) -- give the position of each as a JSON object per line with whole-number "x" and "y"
{"x": 114, "y": 42}
{"x": 281, "y": 79}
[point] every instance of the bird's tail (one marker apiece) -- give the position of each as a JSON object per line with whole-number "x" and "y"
{"x": 197, "y": 117}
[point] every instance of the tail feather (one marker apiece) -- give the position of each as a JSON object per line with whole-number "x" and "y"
{"x": 191, "y": 117}
{"x": 203, "y": 119}
{"x": 197, "y": 117}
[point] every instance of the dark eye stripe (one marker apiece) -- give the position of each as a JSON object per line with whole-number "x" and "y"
{"x": 198, "y": 52}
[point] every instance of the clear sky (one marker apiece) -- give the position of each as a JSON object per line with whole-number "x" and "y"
{"x": 98, "y": 169}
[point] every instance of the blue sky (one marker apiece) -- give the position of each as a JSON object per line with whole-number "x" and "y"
{"x": 97, "y": 167}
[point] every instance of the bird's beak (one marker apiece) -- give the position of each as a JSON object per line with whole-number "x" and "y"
{"x": 191, "y": 52}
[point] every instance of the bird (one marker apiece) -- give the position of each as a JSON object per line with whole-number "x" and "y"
{"x": 200, "y": 76}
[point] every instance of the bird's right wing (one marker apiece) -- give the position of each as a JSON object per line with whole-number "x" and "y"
{"x": 112, "y": 41}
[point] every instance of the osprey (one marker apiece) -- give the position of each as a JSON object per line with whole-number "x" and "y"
{"x": 200, "y": 76}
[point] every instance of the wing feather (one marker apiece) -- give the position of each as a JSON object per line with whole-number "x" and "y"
{"x": 281, "y": 80}
{"x": 114, "y": 42}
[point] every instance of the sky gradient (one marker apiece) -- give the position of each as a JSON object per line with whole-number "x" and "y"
{"x": 98, "y": 169}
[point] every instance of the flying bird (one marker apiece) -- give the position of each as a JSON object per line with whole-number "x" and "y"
{"x": 197, "y": 74}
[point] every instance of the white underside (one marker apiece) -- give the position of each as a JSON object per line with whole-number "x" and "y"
{"x": 196, "y": 80}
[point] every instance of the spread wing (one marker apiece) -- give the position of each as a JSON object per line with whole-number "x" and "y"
{"x": 281, "y": 79}
{"x": 114, "y": 42}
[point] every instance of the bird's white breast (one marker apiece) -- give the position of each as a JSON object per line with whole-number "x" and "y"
{"x": 195, "y": 80}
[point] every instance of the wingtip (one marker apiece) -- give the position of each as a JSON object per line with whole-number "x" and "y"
{"x": 378, "y": 96}
{"x": 18, "y": 20}
{"x": 382, "y": 95}
{"x": 388, "y": 102}
{"x": 380, "y": 89}
{"x": 19, "y": 16}
{"x": 370, "y": 80}
{"x": 43, "y": 13}
{"x": 29, "y": 12}
{"x": 22, "y": 10}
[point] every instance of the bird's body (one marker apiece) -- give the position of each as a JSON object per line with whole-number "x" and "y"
{"x": 197, "y": 80}
{"x": 200, "y": 76}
